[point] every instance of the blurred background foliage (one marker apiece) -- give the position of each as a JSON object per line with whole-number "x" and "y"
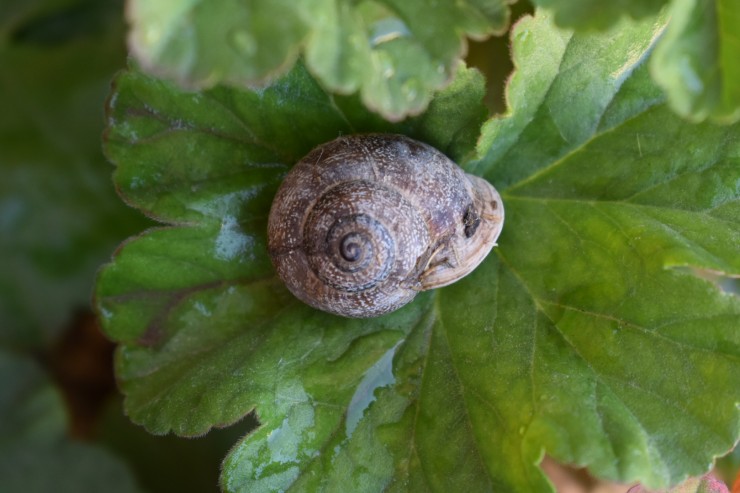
{"x": 61, "y": 424}
{"x": 60, "y": 219}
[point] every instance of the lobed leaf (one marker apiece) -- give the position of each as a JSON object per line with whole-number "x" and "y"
{"x": 585, "y": 335}
{"x": 199, "y": 157}
{"x": 211, "y": 162}
{"x": 395, "y": 53}
{"x": 621, "y": 342}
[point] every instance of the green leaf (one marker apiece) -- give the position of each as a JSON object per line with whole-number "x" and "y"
{"x": 584, "y": 335}
{"x": 234, "y": 146}
{"x": 697, "y": 61}
{"x": 35, "y": 455}
{"x": 633, "y": 363}
{"x": 544, "y": 123}
{"x": 396, "y": 53}
{"x": 595, "y": 14}
{"x": 58, "y": 217}
{"x": 233, "y": 149}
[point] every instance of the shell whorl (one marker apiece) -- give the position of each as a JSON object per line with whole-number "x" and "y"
{"x": 364, "y": 222}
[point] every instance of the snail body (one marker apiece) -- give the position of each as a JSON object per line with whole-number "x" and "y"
{"x": 363, "y": 223}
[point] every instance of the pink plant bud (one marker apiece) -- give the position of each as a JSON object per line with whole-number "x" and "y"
{"x": 703, "y": 484}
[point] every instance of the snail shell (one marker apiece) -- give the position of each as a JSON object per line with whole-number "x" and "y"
{"x": 363, "y": 223}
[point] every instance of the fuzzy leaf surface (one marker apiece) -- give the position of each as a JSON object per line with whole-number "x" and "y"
{"x": 395, "y": 53}
{"x": 584, "y": 335}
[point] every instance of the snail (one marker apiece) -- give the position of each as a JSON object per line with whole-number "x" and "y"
{"x": 363, "y": 223}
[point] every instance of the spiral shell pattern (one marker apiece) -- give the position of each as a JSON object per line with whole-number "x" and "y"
{"x": 364, "y": 222}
